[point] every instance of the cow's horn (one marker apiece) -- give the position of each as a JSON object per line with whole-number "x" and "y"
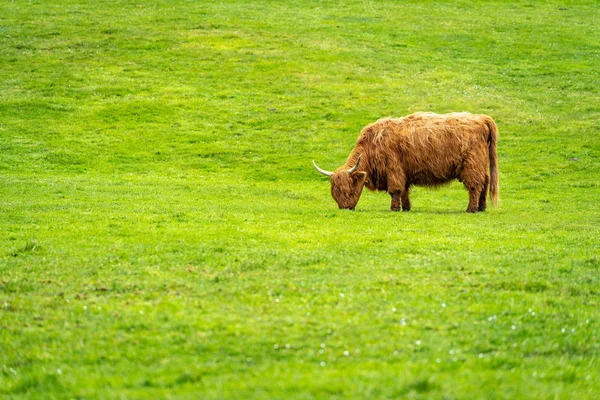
{"x": 351, "y": 170}
{"x": 322, "y": 170}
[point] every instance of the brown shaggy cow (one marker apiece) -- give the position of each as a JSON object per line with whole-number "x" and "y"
{"x": 423, "y": 149}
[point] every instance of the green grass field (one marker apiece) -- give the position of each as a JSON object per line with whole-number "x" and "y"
{"x": 164, "y": 235}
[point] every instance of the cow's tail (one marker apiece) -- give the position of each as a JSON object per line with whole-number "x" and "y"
{"x": 492, "y": 140}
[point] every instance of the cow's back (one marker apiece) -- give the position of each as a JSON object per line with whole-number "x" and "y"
{"x": 429, "y": 148}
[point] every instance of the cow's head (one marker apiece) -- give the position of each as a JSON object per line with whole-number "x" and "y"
{"x": 346, "y": 184}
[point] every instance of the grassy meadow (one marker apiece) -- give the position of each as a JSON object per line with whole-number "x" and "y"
{"x": 164, "y": 235}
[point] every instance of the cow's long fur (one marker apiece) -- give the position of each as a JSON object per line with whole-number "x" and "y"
{"x": 423, "y": 149}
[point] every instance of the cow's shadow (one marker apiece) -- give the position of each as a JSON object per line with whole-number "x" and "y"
{"x": 452, "y": 212}
{"x": 417, "y": 212}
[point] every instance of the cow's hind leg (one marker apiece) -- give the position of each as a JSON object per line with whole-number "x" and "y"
{"x": 475, "y": 178}
{"x": 474, "y": 184}
{"x": 474, "y": 195}
{"x": 483, "y": 195}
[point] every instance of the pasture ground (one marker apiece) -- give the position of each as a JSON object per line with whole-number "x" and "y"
{"x": 163, "y": 233}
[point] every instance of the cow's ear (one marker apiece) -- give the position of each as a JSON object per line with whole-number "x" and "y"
{"x": 359, "y": 177}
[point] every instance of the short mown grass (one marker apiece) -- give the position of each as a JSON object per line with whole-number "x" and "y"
{"x": 163, "y": 233}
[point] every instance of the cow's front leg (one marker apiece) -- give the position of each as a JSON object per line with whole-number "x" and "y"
{"x": 398, "y": 189}
{"x": 400, "y": 198}
{"x": 395, "y": 201}
{"x": 405, "y": 199}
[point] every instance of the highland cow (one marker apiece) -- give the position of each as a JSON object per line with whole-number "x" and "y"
{"x": 422, "y": 149}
